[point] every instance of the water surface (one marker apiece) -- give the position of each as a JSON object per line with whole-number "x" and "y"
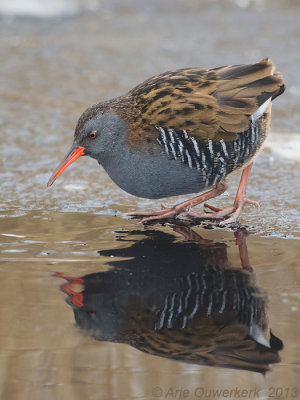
{"x": 40, "y": 250}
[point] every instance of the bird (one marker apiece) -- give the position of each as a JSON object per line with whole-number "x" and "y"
{"x": 182, "y": 132}
{"x": 176, "y": 299}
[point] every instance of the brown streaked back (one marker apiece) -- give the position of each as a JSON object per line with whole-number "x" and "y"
{"x": 208, "y": 104}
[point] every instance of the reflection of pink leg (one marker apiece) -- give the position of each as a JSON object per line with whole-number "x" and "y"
{"x": 191, "y": 236}
{"x": 218, "y": 252}
{"x": 219, "y": 249}
{"x": 238, "y": 205}
{"x": 220, "y": 188}
{"x": 240, "y": 237}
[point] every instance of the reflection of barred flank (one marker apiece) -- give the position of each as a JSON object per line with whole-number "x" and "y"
{"x": 207, "y": 294}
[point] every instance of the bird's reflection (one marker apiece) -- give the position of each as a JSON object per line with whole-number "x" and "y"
{"x": 178, "y": 299}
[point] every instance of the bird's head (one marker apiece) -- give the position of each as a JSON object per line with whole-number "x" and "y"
{"x": 98, "y": 134}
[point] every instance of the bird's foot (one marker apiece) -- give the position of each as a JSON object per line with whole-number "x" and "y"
{"x": 184, "y": 207}
{"x": 232, "y": 212}
{"x": 164, "y": 213}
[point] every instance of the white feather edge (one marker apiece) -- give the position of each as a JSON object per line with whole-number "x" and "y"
{"x": 259, "y": 112}
{"x": 257, "y": 334}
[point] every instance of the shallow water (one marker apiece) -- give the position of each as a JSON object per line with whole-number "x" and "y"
{"x": 93, "y": 304}
{"x": 45, "y": 355}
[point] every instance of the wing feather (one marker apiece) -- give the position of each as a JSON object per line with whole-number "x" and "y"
{"x": 207, "y": 103}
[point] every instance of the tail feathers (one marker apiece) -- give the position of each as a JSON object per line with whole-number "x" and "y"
{"x": 240, "y": 76}
{"x": 281, "y": 87}
{"x": 247, "y": 89}
{"x": 244, "y": 82}
{"x": 275, "y": 342}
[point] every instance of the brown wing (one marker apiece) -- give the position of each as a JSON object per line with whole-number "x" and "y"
{"x": 207, "y": 344}
{"x": 206, "y": 103}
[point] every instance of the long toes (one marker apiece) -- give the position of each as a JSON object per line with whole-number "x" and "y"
{"x": 201, "y": 215}
{"x": 166, "y": 215}
{"x": 253, "y": 202}
{"x": 228, "y": 221}
{"x": 217, "y": 215}
{"x": 164, "y": 207}
{"x": 213, "y": 208}
{"x": 146, "y": 213}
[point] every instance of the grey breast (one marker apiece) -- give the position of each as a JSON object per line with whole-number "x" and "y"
{"x": 151, "y": 174}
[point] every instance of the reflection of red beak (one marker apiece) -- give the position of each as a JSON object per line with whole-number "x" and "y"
{"x": 74, "y": 153}
{"x": 75, "y": 298}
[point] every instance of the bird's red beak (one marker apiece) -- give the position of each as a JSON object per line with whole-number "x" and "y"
{"x": 74, "y": 153}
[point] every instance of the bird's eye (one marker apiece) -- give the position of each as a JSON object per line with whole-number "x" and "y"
{"x": 92, "y": 134}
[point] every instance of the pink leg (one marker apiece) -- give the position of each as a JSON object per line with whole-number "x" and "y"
{"x": 238, "y": 205}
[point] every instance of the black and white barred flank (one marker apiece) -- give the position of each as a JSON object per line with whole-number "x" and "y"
{"x": 214, "y": 159}
{"x": 209, "y": 294}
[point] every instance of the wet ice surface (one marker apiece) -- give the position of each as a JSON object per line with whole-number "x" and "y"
{"x": 51, "y": 70}
{"x": 51, "y": 73}
{"x": 85, "y": 187}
